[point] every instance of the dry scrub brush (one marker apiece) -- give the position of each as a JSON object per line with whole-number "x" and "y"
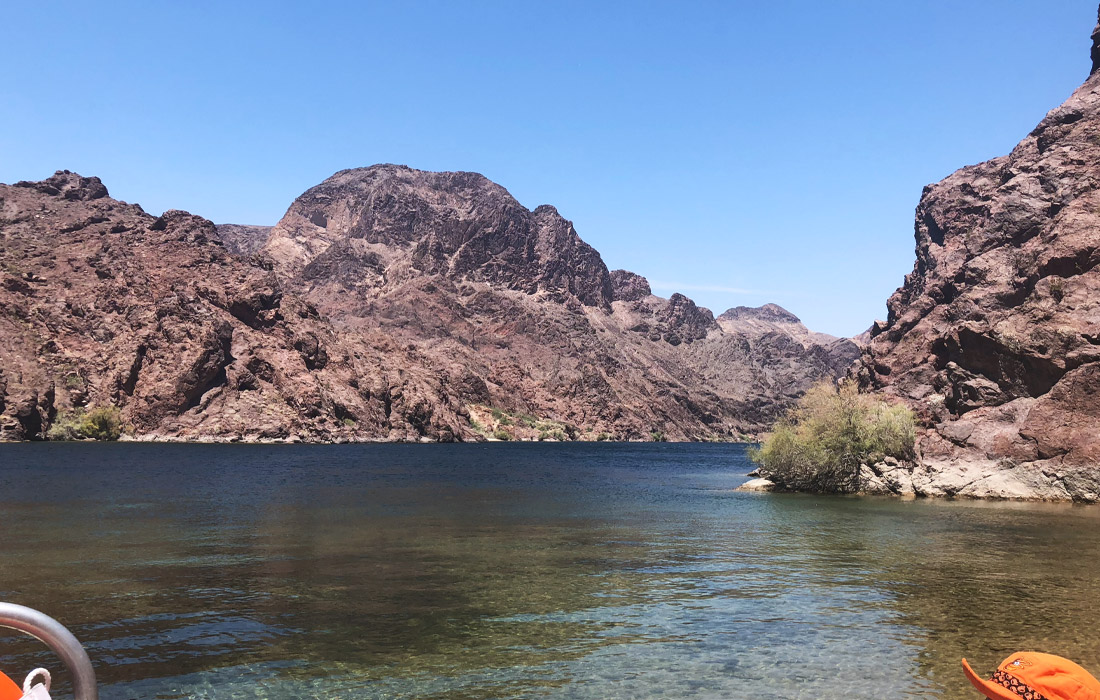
{"x": 821, "y": 443}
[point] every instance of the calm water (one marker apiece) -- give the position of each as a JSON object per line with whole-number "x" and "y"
{"x": 521, "y": 571}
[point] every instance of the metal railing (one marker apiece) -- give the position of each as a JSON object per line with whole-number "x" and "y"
{"x": 60, "y": 641}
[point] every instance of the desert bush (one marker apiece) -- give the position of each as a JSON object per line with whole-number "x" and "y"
{"x": 821, "y": 443}
{"x": 67, "y": 426}
{"x": 99, "y": 423}
{"x": 1058, "y": 289}
{"x": 554, "y": 434}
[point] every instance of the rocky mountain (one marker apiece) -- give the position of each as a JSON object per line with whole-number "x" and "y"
{"x": 514, "y": 308}
{"x": 102, "y": 304}
{"x": 387, "y": 304}
{"x": 994, "y": 338}
{"x": 772, "y": 318}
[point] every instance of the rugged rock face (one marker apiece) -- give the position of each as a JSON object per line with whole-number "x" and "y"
{"x": 629, "y": 286}
{"x": 774, "y": 319}
{"x": 456, "y": 225}
{"x": 103, "y": 304}
{"x": 781, "y": 357}
{"x": 512, "y": 309}
{"x": 388, "y": 304}
{"x": 242, "y": 239}
{"x": 995, "y": 336}
{"x": 768, "y": 313}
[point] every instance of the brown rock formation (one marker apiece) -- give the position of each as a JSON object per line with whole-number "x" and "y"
{"x": 103, "y": 304}
{"x": 387, "y": 304}
{"x": 242, "y": 239}
{"x": 512, "y": 305}
{"x": 782, "y": 358}
{"x": 995, "y": 336}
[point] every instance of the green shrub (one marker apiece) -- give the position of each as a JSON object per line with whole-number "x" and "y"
{"x": 100, "y": 423}
{"x": 821, "y": 443}
{"x": 67, "y": 426}
{"x": 657, "y": 436}
{"x": 502, "y": 434}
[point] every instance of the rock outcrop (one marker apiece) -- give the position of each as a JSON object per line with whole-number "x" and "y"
{"x": 103, "y": 304}
{"x": 242, "y": 239}
{"x": 994, "y": 338}
{"x": 387, "y": 304}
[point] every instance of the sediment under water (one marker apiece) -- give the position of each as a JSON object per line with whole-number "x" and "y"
{"x": 521, "y": 571}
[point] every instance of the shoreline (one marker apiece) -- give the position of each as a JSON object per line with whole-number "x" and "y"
{"x": 979, "y": 480}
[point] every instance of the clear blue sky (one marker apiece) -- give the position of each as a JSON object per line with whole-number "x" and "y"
{"x": 739, "y": 152}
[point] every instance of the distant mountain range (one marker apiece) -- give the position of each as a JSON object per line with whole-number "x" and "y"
{"x": 387, "y": 304}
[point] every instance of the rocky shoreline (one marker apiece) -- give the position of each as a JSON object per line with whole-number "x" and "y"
{"x": 968, "y": 479}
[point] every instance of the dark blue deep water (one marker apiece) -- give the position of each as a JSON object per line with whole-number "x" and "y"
{"x": 521, "y": 571}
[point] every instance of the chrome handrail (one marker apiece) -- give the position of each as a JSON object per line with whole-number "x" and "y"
{"x": 60, "y": 641}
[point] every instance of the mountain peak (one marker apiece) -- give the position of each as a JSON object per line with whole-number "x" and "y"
{"x": 1095, "y": 54}
{"x": 69, "y": 185}
{"x": 773, "y": 313}
{"x": 459, "y": 225}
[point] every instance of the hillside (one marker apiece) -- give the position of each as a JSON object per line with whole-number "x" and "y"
{"x": 513, "y": 300}
{"x": 387, "y": 304}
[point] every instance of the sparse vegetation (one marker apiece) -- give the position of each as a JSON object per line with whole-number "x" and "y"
{"x": 1020, "y": 262}
{"x": 657, "y": 436}
{"x": 99, "y": 423}
{"x": 503, "y": 424}
{"x": 1058, "y": 289}
{"x": 821, "y": 443}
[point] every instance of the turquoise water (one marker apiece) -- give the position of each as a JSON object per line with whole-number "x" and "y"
{"x": 521, "y": 571}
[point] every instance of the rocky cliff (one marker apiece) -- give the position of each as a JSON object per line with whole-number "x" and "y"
{"x": 994, "y": 338}
{"x": 102, "y": 304}
{"x": 388, "y": 303}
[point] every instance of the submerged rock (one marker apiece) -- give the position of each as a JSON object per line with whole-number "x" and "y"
{"x": 757, "y": 485}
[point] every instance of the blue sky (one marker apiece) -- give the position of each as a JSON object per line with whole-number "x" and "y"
{"x": 738, "y": 152}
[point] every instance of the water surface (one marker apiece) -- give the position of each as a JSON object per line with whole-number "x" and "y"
{"x": 521, "y": 571}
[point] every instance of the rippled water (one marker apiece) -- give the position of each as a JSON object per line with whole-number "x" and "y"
{"x": 521, "y": 571}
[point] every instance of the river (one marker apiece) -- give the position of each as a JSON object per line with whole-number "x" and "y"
{"x": 521, "y": 571}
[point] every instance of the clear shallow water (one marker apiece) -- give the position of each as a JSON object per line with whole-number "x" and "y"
{"x": 521, "y": 571}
